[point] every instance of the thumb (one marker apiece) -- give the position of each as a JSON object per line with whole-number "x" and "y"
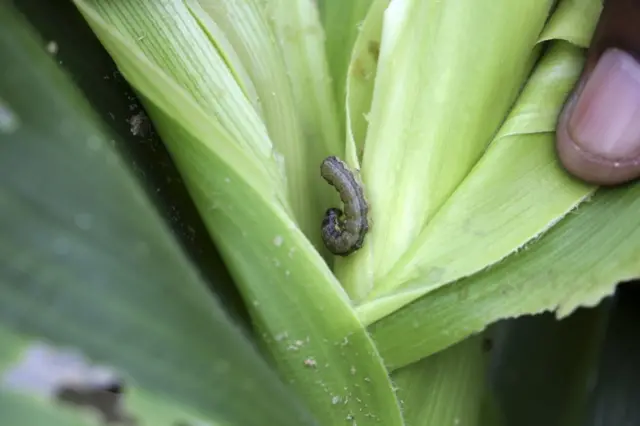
{"x": 598, "y": 133}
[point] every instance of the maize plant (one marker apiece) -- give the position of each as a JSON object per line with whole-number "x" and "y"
{"x": 439, "y": 119}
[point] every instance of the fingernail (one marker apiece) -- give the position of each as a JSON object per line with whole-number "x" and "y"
{"x": 606, "y": 116}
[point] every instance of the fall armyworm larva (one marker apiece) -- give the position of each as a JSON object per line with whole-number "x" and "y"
{"x": 343, "y": 232}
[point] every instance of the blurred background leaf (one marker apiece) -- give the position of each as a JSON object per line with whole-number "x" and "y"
{"x": 86, "y": 263}
{"x": 614, "y": 400}
{"x": 24, "y": 410}
{"x": 543, "y": 371}
{"x": 76, "y": 49}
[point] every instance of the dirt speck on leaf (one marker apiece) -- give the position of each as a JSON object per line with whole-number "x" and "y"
{"x": 52, "y": 47}
{"x": 140, "y": 124}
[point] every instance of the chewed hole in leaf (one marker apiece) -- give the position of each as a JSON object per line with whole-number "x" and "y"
{"x": 67, "y": 377}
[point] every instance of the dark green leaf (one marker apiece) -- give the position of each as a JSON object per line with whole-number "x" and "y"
{"x": 86, "y": 263}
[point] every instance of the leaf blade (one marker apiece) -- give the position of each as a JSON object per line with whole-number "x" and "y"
{"x": 548, "y": 275}
{"x": 71, "y": 253}
{"x": 414, "y": 133}
{"x": 303, "y": 317}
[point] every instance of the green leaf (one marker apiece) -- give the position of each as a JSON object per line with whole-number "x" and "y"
{"x": 444, "y": 389}
{"x": 242, "y": 31}
{"x": 297, "y": 26}
{"x": 299, "y": 31}
{"x": 86, "y": 263}
{"x": 440, "y": 95}
{"x": 512, "y": 195}
{"x": 576, "y": 263}
{"x": 342, "y": 22}
{"x": 531, "y": 280}
{"x": 28, "y": 411}
{"x": 573, "y": 21}
{"x": 516, "y": 192}
{"x": 80, "y": 53}
{"x": 303, "y": 316}
{"x": 64, "y": 377}
{"x": 361, "y": 79}
{"x": 359, "y": 92}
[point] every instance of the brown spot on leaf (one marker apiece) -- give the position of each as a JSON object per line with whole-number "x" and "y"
{"x": 358, "y": 69}
{"x": 374, "y": 49}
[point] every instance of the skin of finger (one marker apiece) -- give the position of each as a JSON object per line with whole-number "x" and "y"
{"x": 618, "y": 27}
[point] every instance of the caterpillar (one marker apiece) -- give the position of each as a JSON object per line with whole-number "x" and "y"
{"x": 343, "y": 232}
